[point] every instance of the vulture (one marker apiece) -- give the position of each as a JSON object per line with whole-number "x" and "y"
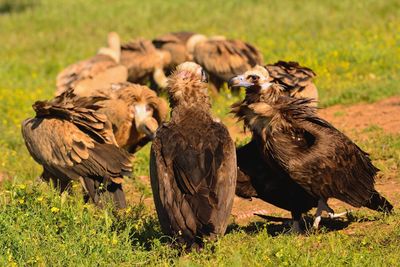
{"x": 175, "y": 44}
{"x": 307, "y": 149}
{"x": 145, "y": 62}
{"x": 73, "y": 141}
{"x": 192, "y": 163}
{"x": 223, "y": 59}
{"x": 94, "y": 73}
{"x": 135, "y": 113}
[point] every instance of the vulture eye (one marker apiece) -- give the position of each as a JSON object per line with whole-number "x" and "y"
{"x": 204, "y": 76}
{"x": 253, "y": 77}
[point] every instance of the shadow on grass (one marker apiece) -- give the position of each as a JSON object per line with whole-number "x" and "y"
{"x": 278, "y": 225}
{"x": 15, "y": 6}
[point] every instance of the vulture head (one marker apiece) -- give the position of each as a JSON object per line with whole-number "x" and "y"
{"x": 188, "y": 85}
{"x": 135, "y": 112}
{"x": 257, "y": 84}
{"x": 114, "y": 47}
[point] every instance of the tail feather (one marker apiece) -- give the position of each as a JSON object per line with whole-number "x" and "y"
{"x": 379, "y": 203}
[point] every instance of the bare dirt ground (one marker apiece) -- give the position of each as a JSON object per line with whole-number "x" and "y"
{"x": 352, "y": 120}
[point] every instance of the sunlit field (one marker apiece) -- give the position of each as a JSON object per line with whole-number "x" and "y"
{"x": 353, "y": 46}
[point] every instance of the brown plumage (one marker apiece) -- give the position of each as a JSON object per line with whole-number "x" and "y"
{"x": 175, "y": 44}
{"x": 295, "y": 79}
{"x": 135, "y": 112}
{"x": 144, "y": 62}
{"x": 73, "y": 141}
{"x": 318, "y": 157}
{"x": 192, "y": 163}
{"x": 94, "y": 73}
{"x": 264, "y": 178}
{"x": 223, "y": 59}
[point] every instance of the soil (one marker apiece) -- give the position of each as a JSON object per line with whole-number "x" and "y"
{"x": 352, "y": 120}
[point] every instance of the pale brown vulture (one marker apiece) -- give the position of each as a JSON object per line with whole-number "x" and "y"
{"x": 223, "y": 59}
{"x": 135, "y": 112}
{"x": 144, "y": 62}
{"x": 175, "y": 44}
{"x": 314, "y": 154}
{"x": 94, "y": 73}
{"x": 192, "y": 163}
{"x": 73, "y": 141}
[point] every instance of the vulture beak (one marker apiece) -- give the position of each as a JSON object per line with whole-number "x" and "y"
{"x": 144, "y": 121}
{"x": 149, "y": 127}
{"x": 239, "y": 81}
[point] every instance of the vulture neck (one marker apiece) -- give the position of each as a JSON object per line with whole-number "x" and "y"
{"x": 257, "y": 109}
{"x": 195, "y": 111}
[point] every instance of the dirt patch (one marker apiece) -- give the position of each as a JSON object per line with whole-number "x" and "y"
{"x": 385, "y": 114}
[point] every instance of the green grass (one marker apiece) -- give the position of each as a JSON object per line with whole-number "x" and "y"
{"x": 353, "y": 46}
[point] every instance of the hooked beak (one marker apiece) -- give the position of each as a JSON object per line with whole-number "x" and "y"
{"x": 239, "y": 81}
{"x": 149, "y": 127}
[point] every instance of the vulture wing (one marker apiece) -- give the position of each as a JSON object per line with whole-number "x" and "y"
{"x": 226, "y": 58}
{"x": 297, "y": 80}
{"x": 175, "y": 44}
{"x": 320, "y": 158}
{"x": 94, "y": 73}
{"x": 193, "y": 177}
{"x": 140, "y": 57}
{"x": 72, "y": 140}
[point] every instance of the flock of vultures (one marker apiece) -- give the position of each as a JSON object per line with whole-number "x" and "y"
{"x": 107, "y": 107}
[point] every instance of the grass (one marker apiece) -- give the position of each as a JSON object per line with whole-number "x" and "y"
{"x": 351, "y": 45}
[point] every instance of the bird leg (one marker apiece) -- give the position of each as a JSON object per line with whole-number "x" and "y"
{"x": 323, "y": 206}
{"x": 295, "y": 229}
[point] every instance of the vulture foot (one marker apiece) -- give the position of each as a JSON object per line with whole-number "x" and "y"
{"x": 322, "y": 206}
{"x": 332, "y": 215}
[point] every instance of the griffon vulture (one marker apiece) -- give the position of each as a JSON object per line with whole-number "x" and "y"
{"x": 135, "y": 113}
{"x": 144, "y": 62}
{"x": 73, "y": 141}
{"x": 175, "y": 44}
{"x": 318, "y": 157}
{"x": 192, "y": 163}
{"x": 223, "y": 59}
{"x": 94, "y": 73}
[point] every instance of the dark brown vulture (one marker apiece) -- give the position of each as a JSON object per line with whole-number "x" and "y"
{"x": 192, "y": 163}
{"x": 135, "y": 113}
{"x": 265, "y": 179}
{"x": 94, "y": 73}
{"x": 145, "y": 63}
{"x": 73, "y": 141}
{"x": 223, "y": 59}
{"x": 318, "y": 157}
{"x": 175, "y": 44}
